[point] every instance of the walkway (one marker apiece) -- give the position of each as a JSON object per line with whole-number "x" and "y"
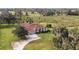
{"x": 20, "y": 44}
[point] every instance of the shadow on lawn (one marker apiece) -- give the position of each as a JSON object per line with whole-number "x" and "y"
{"x": 7, "y": 26}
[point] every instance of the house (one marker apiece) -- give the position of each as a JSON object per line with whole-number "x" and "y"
{"x": 34, "y": 28}
{"x": 12, "y": 12}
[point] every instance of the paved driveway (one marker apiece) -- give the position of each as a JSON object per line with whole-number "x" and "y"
{"x": 20, "y": 44}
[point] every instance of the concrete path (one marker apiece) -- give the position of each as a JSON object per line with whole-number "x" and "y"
{"x": 20, "y": 44}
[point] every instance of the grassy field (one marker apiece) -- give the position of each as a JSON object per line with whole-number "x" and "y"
{"x": 58, "y": 20}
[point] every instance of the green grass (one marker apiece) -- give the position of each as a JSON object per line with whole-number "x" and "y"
{"x": 6, "y": 38}
{"x": 45, "y": 43}
{"x": 58, "y": 20}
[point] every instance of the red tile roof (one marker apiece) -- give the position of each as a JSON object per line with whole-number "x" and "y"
{"x": 31, "y": 27}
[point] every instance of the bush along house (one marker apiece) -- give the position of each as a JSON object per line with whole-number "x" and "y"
{"x": 33, "y": 28}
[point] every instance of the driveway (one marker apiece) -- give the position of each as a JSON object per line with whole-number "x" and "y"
{"x": 22, "y": 43}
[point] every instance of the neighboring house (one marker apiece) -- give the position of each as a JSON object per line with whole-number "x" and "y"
{"x": 12, "y": 12}
{"x": 34, "y": 28}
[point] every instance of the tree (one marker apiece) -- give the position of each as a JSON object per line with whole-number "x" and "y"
{"x": 26, "y": 14}
{"x": 66, "y": 40}
{"x": 8, "y": 18}
{"x": 73, "y": 12}
{"x": 49, "y": 25}
{"x": 29, "y": 20}
{"x": 20, "y": 32}
{"x": 48, "y": 13}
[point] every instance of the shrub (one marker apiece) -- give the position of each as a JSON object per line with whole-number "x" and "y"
{"x": 29, "y": 20}
{"x": 49, "y": 25}
{"x": 20, "y": 32}
{"x": 66, "y": 40}
{"x": 73, "y": 12}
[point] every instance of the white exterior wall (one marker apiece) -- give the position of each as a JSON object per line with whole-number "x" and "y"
{"x": 44, "y": 29}
{"x": 37, "y": 30}
{"x": 41, "y": 29}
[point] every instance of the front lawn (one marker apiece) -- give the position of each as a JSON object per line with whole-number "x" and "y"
{"x": 6, "y": 38}
{"x": 45, "y": 43}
